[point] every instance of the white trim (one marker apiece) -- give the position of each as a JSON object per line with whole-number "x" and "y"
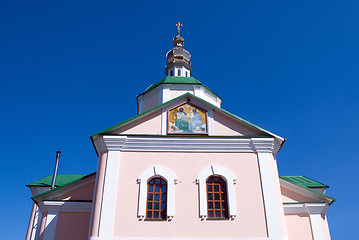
{"x": 146, "y": 175}
{"x": 164, "y": 122}
{"x": 186, "y": 144}
{"x": 210, "y": 122}
{"x": 109, "y": 201}
{"x": 50, "y": 226}
{"x": 269, "y": 194}
{"x": 230, "y": 179}
{"x": 36, "y": 225}
{"x": 66, "y": 206}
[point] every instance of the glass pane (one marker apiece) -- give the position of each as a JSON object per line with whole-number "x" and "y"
{"x": 151, "y": 182}
{"x": 209, "y": 188}
{"x": 156, "y": 206}
{"x": 218, "y": 214}
{"x": 163, "y": 206}
{"x": 217, "y": 205}
{"x": 210, "y": 205}
{"x": 164, "y": 189}
{"x": 163, "y": 197}
{"x": 224, "y": 214}
{"x": 210, "y": 213}
{"x": 216, "y": 196}
{"x": 223, "y": 196}
{"x": 216, "y": 180}
{"x": 150, "y": 197}
{"x": 155, "y": 214}
{"x": 149, "y": 206}
{"x": 210, "y": 196}
{"x": 224, "y": 205}
{"x": 157, "y": 197}
{"x": 216, "y": 188}
{"x": 150, "y": 188}
{"x": 163, "y": 215}
{"x": 149, "y": 214}
{"x": 157, "y": 181}
{"x": 157, "y": 188}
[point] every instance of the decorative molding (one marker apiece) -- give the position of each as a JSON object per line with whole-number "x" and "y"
{"x": 171, "y": 180}
{"x": 311, "y": 208}
{"x": 230, "y": 179}
{"x": 185, "y": 144}
{"x": 66, "y": 206}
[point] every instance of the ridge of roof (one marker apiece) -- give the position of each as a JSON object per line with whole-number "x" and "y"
{"x": 308, "y": 184}
{"x": 191, "y": 95}
{"x": 62, "y": 186}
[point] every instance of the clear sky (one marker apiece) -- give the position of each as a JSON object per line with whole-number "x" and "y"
{"x": 69, "y": 69}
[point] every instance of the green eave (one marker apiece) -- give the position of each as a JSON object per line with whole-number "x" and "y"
{"x": 308, "y": 184}
{"x": 265, "y": 132}
{"x": 177, "y": 80}
{"x": 62, "y": 180}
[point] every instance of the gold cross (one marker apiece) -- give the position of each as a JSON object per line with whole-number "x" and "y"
{"x": 178, "y": 25}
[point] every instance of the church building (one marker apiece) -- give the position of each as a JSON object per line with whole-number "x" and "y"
{"x": 183, "y": 168}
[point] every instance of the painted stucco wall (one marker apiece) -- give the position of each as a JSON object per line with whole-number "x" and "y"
{"x": 223, "y": 125}
{"x": 250, "y": 220}
{"x": 150, "y": 100}
{"x": 298, "y": 226}
{"x": 82, "y": 193}
{"x": 289, "y": 196}
{"x": 72, "y": 226}
{"x": 150, "y": 124}
{"x": 177, "y": 93}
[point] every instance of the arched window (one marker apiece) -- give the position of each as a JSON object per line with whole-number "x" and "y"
{"x": 216, "y": 193}
{"x": 153, "y": 181}
{"x": 217, "y": 197}
{"x": 171, "y": 72}
{"x": 179, "y": 72}
{"x": 156, "y": 199}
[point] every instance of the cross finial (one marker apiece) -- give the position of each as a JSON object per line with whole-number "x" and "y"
{"x": 178, "y": 25}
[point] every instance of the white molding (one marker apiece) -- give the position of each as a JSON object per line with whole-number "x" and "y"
{"x": 36, "y": 225}
{"x": 187, "y": 144}
{"x": 143, "y": 179}
{"x": 66, "y": 206}
{"x": 269, "y": 192}
{"x": 109, "y": 201}
{"x": 210, "y": 122}
{"x": 311, "y": 208}
{"x": 164, "y": 122}
{"x": 230, "y": 179}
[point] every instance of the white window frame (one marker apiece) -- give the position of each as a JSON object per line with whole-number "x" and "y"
{"x": 230, "y": 179}
{"x": 145, "y": 176}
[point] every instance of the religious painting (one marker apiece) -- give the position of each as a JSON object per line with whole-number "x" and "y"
{"x": 187, "y": 119}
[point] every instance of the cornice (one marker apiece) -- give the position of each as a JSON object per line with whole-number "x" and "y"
{"x": 311, "y": 208}
{"x": 185, "y": 144}
{"x": 65, "y": 206}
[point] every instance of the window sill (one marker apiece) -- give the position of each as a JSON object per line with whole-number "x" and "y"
{"x": 155, "y": 220}
{"x": 214, "y": 219}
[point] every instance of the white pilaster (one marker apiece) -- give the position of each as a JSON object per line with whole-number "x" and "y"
{"x": 109, "y": 195}
{"x": 269, "y": 195}
{"x": 36, "y": 225}
{"x": 210, "y": 124}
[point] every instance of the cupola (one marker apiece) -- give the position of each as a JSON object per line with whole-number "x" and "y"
{"x": 178, "y": 58}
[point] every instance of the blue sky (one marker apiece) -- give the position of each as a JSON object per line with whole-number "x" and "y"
{"x": 69, "y": 69}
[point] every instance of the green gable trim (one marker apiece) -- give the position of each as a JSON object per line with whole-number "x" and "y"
{"x": 65, "y": 183}
{"x": 106, "y": 131}
{"x": 177, "y": 80}
{"x": 307, "y": 184}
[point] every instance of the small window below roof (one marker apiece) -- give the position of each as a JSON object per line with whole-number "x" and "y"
{"x": 171, "y": 73}
{"x": 179, "y": 72}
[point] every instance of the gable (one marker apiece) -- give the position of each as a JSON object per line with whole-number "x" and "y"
{"x": 224, "y": 125}
{"x": 149, "y": 124}
{"x": 84, "y": 193}
{"x": 290, "y": 196}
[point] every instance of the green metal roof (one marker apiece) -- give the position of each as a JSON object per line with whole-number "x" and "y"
{"x": 308, "y": 184}
{"x": 177, "y": 80}
{"x": 107, "y": 131}
{"x": 301, "y": 180}
{"x": 61, "y": 179}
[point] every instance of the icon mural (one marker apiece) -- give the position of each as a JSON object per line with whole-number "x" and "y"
{"x": 187, "y": 119}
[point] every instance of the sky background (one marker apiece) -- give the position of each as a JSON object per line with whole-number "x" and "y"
{"x": 69, "y": 69}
